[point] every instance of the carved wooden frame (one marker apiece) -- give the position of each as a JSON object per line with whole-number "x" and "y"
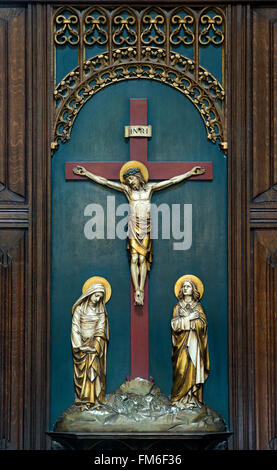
{"x": 25, "y": 342}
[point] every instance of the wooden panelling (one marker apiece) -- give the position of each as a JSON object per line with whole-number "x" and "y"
{"x": 13, "y": 105}
{"x": 13, "y": 316}
{"x": 238, "y": 104}
{"x": 264, "y": 97}
{"x": 3, "y": 81}
{"x": 264, "y": 245}
{"x": 39, "y": 314}
{"x": 24, "y": 228}
{"x": 263, "y": 218}
{"x": 14, "y": 222}
{"x": 252, "y": 225}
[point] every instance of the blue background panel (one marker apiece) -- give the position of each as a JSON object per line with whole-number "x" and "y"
{"x": 178, "y": 135}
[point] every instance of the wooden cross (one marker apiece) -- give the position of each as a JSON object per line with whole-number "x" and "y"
{"x": 157, "y": 171}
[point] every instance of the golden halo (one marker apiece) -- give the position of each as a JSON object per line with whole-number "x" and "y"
{"x": 189, "y": 277}
{"x": 134, "y": 164}
{"x": 98, "y": 280}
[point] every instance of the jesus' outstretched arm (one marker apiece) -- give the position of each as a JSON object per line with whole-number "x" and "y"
{"x": 80, "y": 170}
{"x": 195, "y": 171}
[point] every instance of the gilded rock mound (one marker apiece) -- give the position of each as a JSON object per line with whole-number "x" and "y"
{"x": 139, "y": 406}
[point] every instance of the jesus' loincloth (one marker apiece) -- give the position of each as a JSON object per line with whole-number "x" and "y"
{"x": 139, "y": 238}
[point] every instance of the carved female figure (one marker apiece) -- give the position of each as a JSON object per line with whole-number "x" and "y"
{"x": 190, "y": 356}
{"x": 89, "y": 338}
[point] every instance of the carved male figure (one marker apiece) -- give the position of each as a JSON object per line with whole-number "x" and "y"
{"x": 134, "y": 184}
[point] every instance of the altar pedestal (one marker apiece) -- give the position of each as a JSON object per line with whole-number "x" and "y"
{"x": 164, "y": 442}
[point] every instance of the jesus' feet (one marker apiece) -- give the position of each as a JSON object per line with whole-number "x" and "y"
{"x": 139, "y": 297}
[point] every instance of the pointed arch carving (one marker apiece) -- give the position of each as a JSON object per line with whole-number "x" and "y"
{"x": 95, "y": 26}
{"x": 142, "y": 44}
{"x": 124, "y": 27}
{"x": 67, "y": 26}
{"x": 71, "y": 95}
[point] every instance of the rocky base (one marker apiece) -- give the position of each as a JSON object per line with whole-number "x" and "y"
{"x": 139, "y": 406}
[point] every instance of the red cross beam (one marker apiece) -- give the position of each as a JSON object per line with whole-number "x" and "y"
{"x": 157, "y": 171}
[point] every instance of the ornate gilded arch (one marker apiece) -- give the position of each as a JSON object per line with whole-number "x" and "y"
{"x": 123, "y": 43}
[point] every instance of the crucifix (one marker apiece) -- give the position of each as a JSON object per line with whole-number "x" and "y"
{"x": 133, "y": 177}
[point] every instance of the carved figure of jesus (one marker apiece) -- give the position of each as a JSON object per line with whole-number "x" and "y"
{"x": 138, "y": 191}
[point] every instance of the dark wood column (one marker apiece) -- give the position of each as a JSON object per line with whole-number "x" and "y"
{"x": 24, "y": 228}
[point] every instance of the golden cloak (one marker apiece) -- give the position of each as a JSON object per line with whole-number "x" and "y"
{"x": 89, "y": 338}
